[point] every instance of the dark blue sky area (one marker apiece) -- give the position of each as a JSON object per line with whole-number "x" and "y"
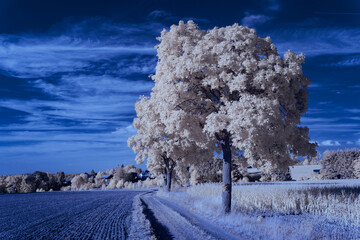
{"x": 71, "y": 71}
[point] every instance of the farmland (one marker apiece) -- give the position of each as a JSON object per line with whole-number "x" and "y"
{"x": 280, "y": 210}
{"x": 66, "y": 215}
{"x": 275, "y": 210}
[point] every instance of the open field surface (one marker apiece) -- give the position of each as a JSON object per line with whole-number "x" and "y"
{"x": 66, "y": 215}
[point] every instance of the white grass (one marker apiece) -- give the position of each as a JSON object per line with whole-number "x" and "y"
{"x": 335, "y": 200}
{"x": 289, "y": 210}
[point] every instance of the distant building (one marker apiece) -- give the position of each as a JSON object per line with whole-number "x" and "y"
{"x": 304, "y": 171}
{"x": 253, "y": 170}
{"x": 144, "y": 175}
{"x": 107, "y": 177}
{"x": 66, "y": 182}
{"x": 253, "y": 173}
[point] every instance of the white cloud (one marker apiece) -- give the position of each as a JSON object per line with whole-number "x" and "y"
{"x": 161, "y": 15}
{"x": 353, "y": 110}
{"x": 254, "y": 19}
{"x": 348, "y": 61}
{"x": 333, "y": 127}
{"x": 358, "y": 142}
{"x": 272, "y": 5}
{"x": 349, "y": 142}
{"x": 329, "y": 143}
{"x": 125, "y": 131}
{"x": 309, "y": 120}
{"x": 315, "y": 85}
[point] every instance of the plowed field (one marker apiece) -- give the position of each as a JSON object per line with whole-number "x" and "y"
{"x": 66, "y": 215}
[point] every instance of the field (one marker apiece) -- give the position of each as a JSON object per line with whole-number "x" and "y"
{"x": 281, "y": 210}
{"x": 66, "y": 215}
{"x": 276, "y": 210}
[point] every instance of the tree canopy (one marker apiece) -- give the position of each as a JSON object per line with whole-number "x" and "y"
{"x": 227, "y": 90}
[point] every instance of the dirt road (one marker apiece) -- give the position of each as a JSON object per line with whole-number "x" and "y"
{"x": 170, "y": 221}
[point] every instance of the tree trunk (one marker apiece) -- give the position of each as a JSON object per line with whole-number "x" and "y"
{"x": 168, "y": 182}
{"x": 169, "y": 169}
{"x": 165, "y": 178}
{"x": 226, "y": 174}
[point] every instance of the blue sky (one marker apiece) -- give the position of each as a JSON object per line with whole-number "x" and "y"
{"x": 71, "y": 71}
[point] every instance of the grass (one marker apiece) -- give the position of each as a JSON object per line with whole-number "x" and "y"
{"x": 339, "y": 200}
{"x": 312, "y": 209}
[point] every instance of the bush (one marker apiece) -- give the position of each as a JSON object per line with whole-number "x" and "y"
{"x": 340, "y": 164}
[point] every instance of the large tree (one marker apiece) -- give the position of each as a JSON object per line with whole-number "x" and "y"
{"x": 232, "y": 86}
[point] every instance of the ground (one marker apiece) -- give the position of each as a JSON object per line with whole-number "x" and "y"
{"x": 66, "y": 215}
{"x": 148, "y": 214}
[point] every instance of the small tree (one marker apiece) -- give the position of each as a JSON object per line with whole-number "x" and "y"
{"x": 163, "y": 149}
{"x": 232, "y": 86}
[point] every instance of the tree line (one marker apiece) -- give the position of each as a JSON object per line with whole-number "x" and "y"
{"x": 120, "y": 177}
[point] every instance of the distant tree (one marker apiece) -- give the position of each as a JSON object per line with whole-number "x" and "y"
{"x": 124, "y": 173}
{"x": 110, "y": 171}
{"x": 206, "y": 171}
{"x": 312, "y": 160}
{"x": 340, "y": 164}
{"x": 232, "y": 86}
{"x": 357, "y": 167}
{"x": 27, "y": 186}
{"x": 59, "y": 180}
{"x": 2, "y": 185}
{"x": 79, "y": 182}
{"x": 41, "y": 180}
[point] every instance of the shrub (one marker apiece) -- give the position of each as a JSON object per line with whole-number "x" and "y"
{"x": 340, "y": 164}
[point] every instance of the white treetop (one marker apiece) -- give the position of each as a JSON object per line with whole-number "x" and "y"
{"x": 230, "y": 82}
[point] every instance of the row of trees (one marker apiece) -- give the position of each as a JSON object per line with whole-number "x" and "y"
{"x": 31, "y": 183}
{"x": 225, "y": 90}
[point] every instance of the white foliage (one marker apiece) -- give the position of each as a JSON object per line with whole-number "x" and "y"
{"x": 357, "y": 168}
{"x": 225, "y": 81}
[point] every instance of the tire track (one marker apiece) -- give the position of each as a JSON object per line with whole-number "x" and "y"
{"x": 179, "y": 222}
{"x": 178, "y": 226}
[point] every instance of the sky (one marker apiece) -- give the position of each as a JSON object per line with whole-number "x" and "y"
{"x": 71, "y": 72}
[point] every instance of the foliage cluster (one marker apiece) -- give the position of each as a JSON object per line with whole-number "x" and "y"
{"x": 26, "y": 183}
{"x": 341, "y": 164}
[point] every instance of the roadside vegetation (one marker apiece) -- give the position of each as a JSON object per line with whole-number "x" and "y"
{"x": 325, "y": 209}
{"x": 335, "y": 199}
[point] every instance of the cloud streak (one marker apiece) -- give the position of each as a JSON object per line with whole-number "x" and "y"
{"x": 329, "y": 143}
{"x": 318, "y": 41}
{"x": 252, "y": 20}
{"x": 42, "y": 59}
